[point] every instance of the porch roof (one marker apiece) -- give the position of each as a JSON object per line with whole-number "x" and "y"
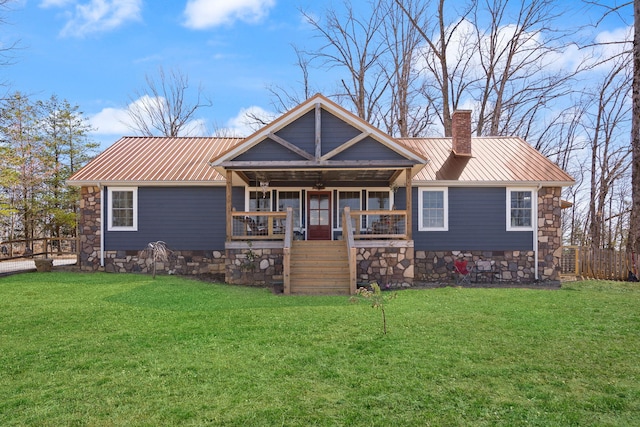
{"x": 295, "y": 146}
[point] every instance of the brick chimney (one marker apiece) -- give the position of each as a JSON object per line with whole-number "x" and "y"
{"x": 461, "y": 132}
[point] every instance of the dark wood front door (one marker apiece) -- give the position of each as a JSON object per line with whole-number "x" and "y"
{"x": 319, "y": 215}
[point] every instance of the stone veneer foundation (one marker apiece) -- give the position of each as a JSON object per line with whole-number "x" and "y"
{"x": 253, "y": 265}
{"x": 390, "y": 267}
{"x": 179, "y": 262}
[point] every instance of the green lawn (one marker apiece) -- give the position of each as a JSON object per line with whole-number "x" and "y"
{"x": 103, "y": 350}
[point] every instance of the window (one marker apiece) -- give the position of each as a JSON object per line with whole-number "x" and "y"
{"x": 520, "y": 209}
{"x": 350, "y": 199}
{"x": 290, "y": 199}
{"x": 123, "y": 209}
{"x": 434, "y": 209}
{"x": 259, "y": 201}
{"x": 377, "y": 200}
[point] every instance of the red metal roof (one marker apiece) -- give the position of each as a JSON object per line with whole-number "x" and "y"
{"x": 493, "y": 160}
{"x": 175, "y": 161}
{"x": 156, "y": 160}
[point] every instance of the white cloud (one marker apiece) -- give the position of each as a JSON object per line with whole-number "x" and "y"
{"x": 96, "y": 16}
{"x": 54, "y": 3}
{"x": 244, "y": 124}
{"x": 612, "y": 43}
{"x": 201, "y": 14}
{"x": 117, "y": 121}
{"x": 111, "y": 121}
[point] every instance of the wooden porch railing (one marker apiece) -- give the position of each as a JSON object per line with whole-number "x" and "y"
{"x": 380, "y": 224}
{"x": 351, "y": 249}
{"x": 258, "y": 225}
{"x": 286, "y": 251}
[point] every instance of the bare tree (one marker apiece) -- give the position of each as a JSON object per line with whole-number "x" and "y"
{"x": 619, "y": 10}
{"x": 634, "y": 223}
{"x": 164, "y": 107}
{"x": 609, "y": 158}
{"x": 448, "y": 53}
{"x": 516, "y": 54}
{"x": 354, "y": 44}
{"x": 286, "y": 98}
{"x": 7, "y": 47}
{"x": 408, "y": 115}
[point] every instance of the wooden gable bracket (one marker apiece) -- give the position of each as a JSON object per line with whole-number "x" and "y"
{"x": 346, "y": 145}
{"x": 318, "y": 134}
{"x": 395, "y": 176}
{"x": 286, "y": 144}
{"x": 243, "y": 177}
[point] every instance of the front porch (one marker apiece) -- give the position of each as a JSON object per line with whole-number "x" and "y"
{"x": 373, "y": 246}
{"x": 319, "y": 174}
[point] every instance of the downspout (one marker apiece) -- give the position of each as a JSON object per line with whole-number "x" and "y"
{"x": 102, "y": 201}
{"x": 535, "y": 235}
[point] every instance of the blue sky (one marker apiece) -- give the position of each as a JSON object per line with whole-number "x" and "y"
{"x": 96, "y": 53}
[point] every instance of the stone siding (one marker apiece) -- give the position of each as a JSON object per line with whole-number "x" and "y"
{"x": 390, "y": 267}
{"x": 511, "y": 266}
{"x": 549, "y": 232}
{"x": 254, "y": 266}
{"x": 89, "y": 229}
{"x": 180, "y": 262}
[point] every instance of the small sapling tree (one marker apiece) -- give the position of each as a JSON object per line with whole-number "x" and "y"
{"x": 377, "y": 299}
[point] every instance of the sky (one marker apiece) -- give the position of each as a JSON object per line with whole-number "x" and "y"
{"x": 96, "y": 53}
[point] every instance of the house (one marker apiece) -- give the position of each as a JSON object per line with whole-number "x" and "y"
{"x": 320, "y": 200}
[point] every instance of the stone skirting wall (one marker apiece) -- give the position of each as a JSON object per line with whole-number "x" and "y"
{"x": 90, "y": 204}
{"x": 512, "y": 266}
{"x": 180, "y": 262}
{"x": 390, "y": 267}
{"x": 251, "y": 265}
{"x": 549, "y": 232}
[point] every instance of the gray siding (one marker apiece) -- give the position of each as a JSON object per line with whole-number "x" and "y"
{"x": 237, "y": 198}
{"x": 477, "y": 221}
{"x": 301, "y": 132}
{"x": 268, "y": 150}
{"x": 335, "y": 132}
{"x": 185, "y": 218}
{"x": 368, "y": 149}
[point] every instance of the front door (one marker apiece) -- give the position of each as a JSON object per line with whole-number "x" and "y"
{"x": 319, "y": 215}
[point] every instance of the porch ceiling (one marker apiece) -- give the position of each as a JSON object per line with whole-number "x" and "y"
{"x": 325, "y": 177}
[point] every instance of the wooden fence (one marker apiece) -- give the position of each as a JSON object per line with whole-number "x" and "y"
{"x": 40, "y": 247}
{"x": 605, "y": 264}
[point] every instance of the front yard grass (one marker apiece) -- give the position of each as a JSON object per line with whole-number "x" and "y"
{"x": 116, "y": 349}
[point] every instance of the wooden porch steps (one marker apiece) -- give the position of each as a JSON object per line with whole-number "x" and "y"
{"x": 319, "y": 267}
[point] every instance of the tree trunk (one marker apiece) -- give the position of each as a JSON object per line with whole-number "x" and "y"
{"x": 634, "y": 223}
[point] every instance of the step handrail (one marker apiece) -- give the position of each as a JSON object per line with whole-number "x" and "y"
{"x": 351, "y": 248}
{"x": 286, "y": 251}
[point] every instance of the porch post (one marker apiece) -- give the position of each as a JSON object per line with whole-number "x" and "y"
{"x": 409, "y": 207}
{"x": 229, "y": 220}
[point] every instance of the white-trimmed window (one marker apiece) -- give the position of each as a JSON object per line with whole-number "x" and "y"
{"x": 434, "y": 209}
{"x": 290, "y": 199}
{"x": 351, "y": 199}
{"x": 520, "y": 209}
{"x": 122, "y": 214}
